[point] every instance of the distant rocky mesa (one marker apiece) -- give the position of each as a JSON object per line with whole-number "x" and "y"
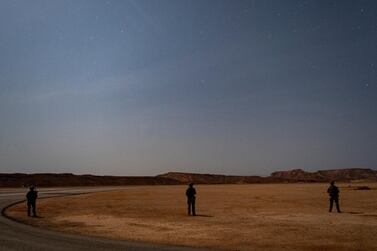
{"x": 353, "y": 174}
{"x": 176, "y": 178}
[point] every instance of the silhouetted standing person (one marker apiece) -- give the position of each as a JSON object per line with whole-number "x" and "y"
{"x": 32, "y": 196}
{"x": 333, "y": 192}
{"x": 190, "y": 193}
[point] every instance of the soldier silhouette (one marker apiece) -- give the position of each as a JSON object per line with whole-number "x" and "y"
{"x": 333, "y": 192}
{"x": 190, "y": 193}
{"x": 32, "y": 196}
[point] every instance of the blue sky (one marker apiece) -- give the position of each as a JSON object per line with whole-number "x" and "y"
{"x": 146, "y": 87}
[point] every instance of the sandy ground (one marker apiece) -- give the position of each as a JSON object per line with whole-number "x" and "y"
{"x": 232, "y": 217}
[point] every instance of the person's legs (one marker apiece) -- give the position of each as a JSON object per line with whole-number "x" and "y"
{"x": 28, "y": 208}
{"x": 34, "y": 209}
{"x": 337, "y": 204}
{"x": 331, "y": 204}
{"x": 193, "y": 207}
{"x": 188, "y": 207}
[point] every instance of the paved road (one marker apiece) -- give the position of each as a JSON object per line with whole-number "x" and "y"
{"x": 17, "y": 236}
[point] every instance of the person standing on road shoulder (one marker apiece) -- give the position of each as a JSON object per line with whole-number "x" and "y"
{"x": 333, "y": 192}
{"x": 31, "y": 197}
{"x": 190, "y": 193}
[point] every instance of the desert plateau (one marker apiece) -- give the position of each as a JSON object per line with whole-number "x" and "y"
{"x": 230, "y": 216}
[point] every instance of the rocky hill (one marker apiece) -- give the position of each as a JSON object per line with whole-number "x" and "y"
{"x": 216, "y": 178}
{"x": 175, "y": 178}
{"x": 69, "y": 179}
{"x": 353, "y": 174}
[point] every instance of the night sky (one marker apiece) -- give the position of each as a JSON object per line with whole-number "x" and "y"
{"x": 145, "y": 87}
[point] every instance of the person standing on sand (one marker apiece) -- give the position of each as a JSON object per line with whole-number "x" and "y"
{"x": 333, "y": 192}
{"x": 190, "y": 193}
{"x": 31, "y": 197}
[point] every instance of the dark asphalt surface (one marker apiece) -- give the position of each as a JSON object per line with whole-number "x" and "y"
{"x": 18, "y": 236}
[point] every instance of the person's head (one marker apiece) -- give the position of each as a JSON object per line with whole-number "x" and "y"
{"x": 332, "y": 183}
{"x": 32, "y": 188}
{"x": 191, "y": 184}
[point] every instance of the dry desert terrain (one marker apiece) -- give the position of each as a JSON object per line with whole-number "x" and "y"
{"x": 231, "y": 217}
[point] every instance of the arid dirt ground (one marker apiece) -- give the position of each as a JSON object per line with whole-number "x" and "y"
{"x": 232, "y": 217}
